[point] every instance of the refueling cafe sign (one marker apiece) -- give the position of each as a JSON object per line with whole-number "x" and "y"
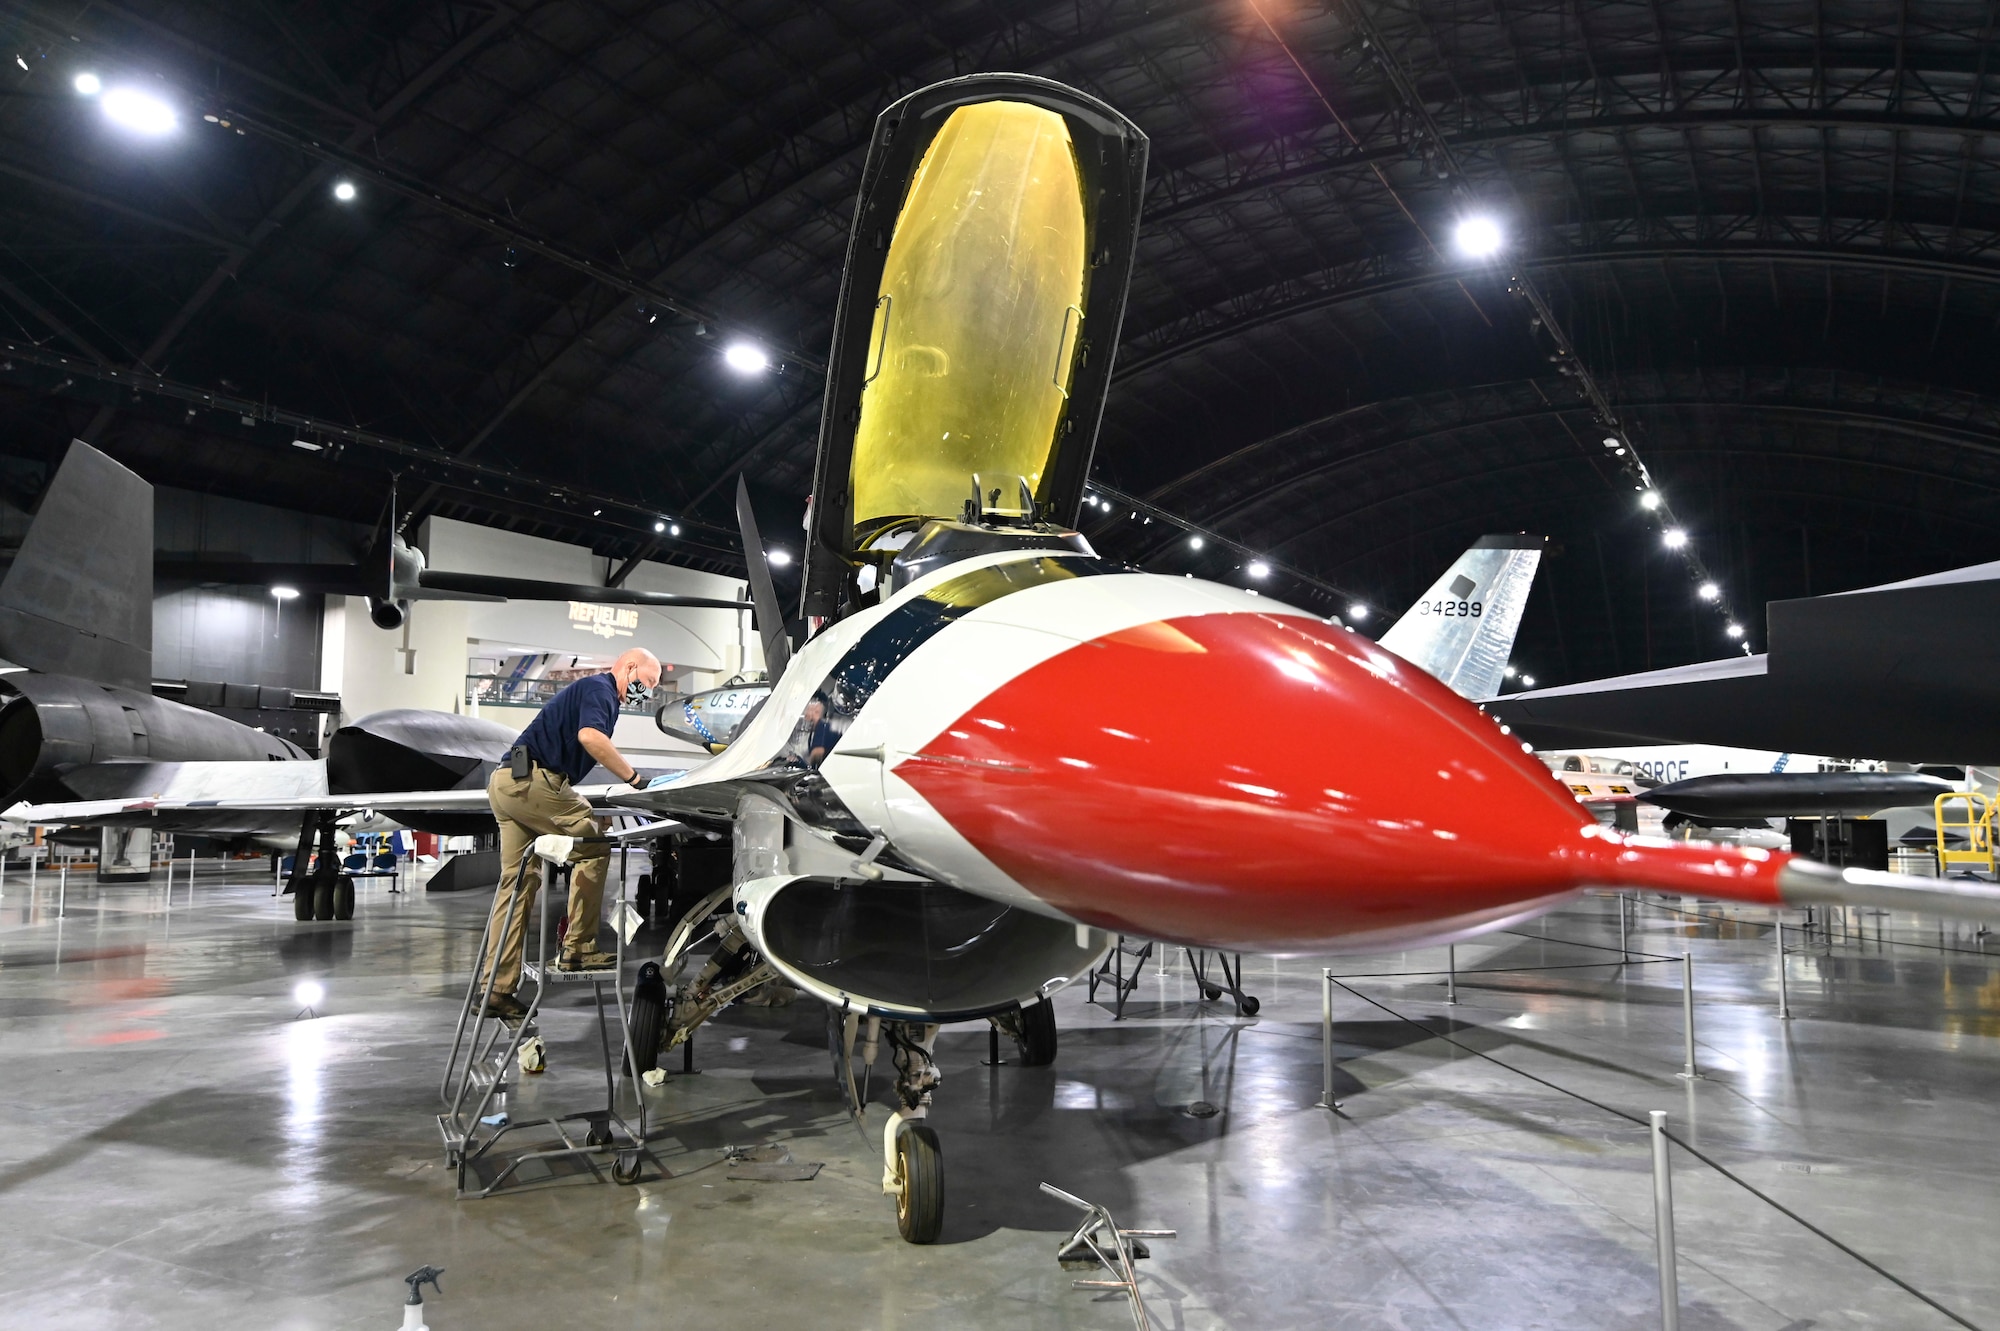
{"x": 603, "y": 621}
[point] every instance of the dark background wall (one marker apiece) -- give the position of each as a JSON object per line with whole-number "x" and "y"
{"x": 238, "y": 635}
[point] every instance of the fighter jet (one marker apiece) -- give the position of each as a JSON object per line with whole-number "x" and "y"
{"x": 84, "y": 743}
{"x": 988, "y": 757}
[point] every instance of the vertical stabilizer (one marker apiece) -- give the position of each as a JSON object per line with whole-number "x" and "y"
{"x": 78, "y": 599}
{"x": 1463, "y": 629}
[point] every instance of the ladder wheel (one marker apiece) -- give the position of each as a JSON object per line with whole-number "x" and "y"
{"x": 1037, "y": 1041}
{"x": 625, "y": 1169}
{"x": 920, "y": 1200}
{"x": 599, "y": 1134}
{"x": 1250, "y": 1005}
{"x": 1210, "y": 993}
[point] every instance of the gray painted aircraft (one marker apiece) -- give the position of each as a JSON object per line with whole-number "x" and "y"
{"x": 84, "y": 743}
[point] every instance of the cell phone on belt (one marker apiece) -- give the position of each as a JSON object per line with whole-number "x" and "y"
{"x": 524, "y": 766}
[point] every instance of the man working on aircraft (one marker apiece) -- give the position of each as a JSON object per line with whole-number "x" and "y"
{"x": 531, "y": 795}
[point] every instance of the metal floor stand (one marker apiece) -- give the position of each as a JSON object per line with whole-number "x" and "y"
{"x": 1098, "y": 1240}
{"x": 1111, "y": 971}
{"x": 1231, "y": 982}
{"x": 476, "y": 1090}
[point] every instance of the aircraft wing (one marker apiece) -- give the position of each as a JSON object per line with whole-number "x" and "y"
{"x": 84, "y": 813}
{"x": 1907, "y": 672}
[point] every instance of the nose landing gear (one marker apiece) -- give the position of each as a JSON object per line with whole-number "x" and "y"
{"x": 913, "y": 1162}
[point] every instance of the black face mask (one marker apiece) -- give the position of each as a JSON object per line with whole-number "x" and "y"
{"x": 637, "y": 691}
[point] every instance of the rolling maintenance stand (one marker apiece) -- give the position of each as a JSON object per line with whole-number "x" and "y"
{"x": 476, "y": 1087}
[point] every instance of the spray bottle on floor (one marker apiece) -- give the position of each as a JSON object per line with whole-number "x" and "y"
{"x": 413, "y": 1307}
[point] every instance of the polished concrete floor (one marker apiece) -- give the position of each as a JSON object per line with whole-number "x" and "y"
{"x": 181, "y": 1147}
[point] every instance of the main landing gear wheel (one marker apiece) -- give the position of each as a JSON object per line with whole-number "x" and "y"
{"x": 920, "y": 1193}
{"x": 1037, "y": 1040}
{"x": 649, "y": 1015}
{"x": 324, "y": 892}
{"x": 302, "y": 900}
{"x": 343, "y": 898}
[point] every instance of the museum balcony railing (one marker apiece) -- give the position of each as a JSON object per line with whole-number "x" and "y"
{"x": 507, "y": 691}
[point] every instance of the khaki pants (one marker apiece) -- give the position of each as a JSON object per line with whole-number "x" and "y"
{"x": 541, "y": 804}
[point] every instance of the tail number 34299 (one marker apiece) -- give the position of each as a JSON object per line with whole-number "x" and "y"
{"x": 1452, "y": 609}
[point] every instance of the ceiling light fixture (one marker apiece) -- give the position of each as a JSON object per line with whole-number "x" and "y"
{"x": 88, "y": 84}
{"x": 660, "y": 525}
{"x": 1258, "y": 569}
{"x": 139, "y": 112}
{"x": 1674, "y": 538}
{"x": 308, "y": 445}
{"x": 1734, "y": 630}
{"x": 285, "y": 593}
{"x": 1708, "y": 591}
{"x": 1479, "y": 237}
{"x": 744, "y": 358}
{"x": 1194, "y": 542}
{"x": 344, "y": 191}
{"x": 1650, "y": 500}
{"x": 1527, "y": 681}
{"x": 1357, "y": 612}
{"x": 779, "y": 558}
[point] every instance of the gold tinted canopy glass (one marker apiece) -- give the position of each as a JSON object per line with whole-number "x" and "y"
{"x": 978, "y": 318}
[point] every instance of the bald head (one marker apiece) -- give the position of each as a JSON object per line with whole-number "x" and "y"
{"x": 635, "y": 664}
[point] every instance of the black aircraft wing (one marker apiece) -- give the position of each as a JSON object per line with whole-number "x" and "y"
{"x": 1907, "y": 672}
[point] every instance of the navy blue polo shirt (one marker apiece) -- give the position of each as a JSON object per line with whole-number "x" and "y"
{"x": 551, "y": 737}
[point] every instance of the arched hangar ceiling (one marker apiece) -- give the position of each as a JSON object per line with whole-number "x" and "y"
{"x": 1767, "y": 226}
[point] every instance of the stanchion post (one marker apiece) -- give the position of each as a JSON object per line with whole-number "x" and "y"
{"x": 1326, "y": 1100}
{"x": 1451, "y": 974}
{"x": 1688, "y": 1070}
{"x": 62, "y": 892}
{"x": 1663, "y": 1225}
{"x": 1624, "y": 946}
{"x": 1784, "y": 1002}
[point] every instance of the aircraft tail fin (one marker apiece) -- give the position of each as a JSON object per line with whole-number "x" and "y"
{"x": 1462, "y": 631}
{"x": 78, "y": 598}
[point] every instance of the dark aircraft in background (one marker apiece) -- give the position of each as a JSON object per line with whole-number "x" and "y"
{"x": 84, "y": 743}
{"x": 1904, "y": 672}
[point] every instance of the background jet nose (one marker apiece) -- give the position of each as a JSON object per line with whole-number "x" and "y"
{"x": 1321, "y": 791}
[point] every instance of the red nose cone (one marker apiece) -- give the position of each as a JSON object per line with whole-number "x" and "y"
{"x": 1255, "y": 782}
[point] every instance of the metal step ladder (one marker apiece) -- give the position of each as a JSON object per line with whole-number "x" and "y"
{"x": 476, "y": 1088}
{"x": 1113, "y": 971}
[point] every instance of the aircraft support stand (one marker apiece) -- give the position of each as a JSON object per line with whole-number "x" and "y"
{"x": 1688, "y": 1071}
{"x": 1087, "y": 1245}
{"x": 1663, "y": 1225}
{"x": 1451, "y": 974}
